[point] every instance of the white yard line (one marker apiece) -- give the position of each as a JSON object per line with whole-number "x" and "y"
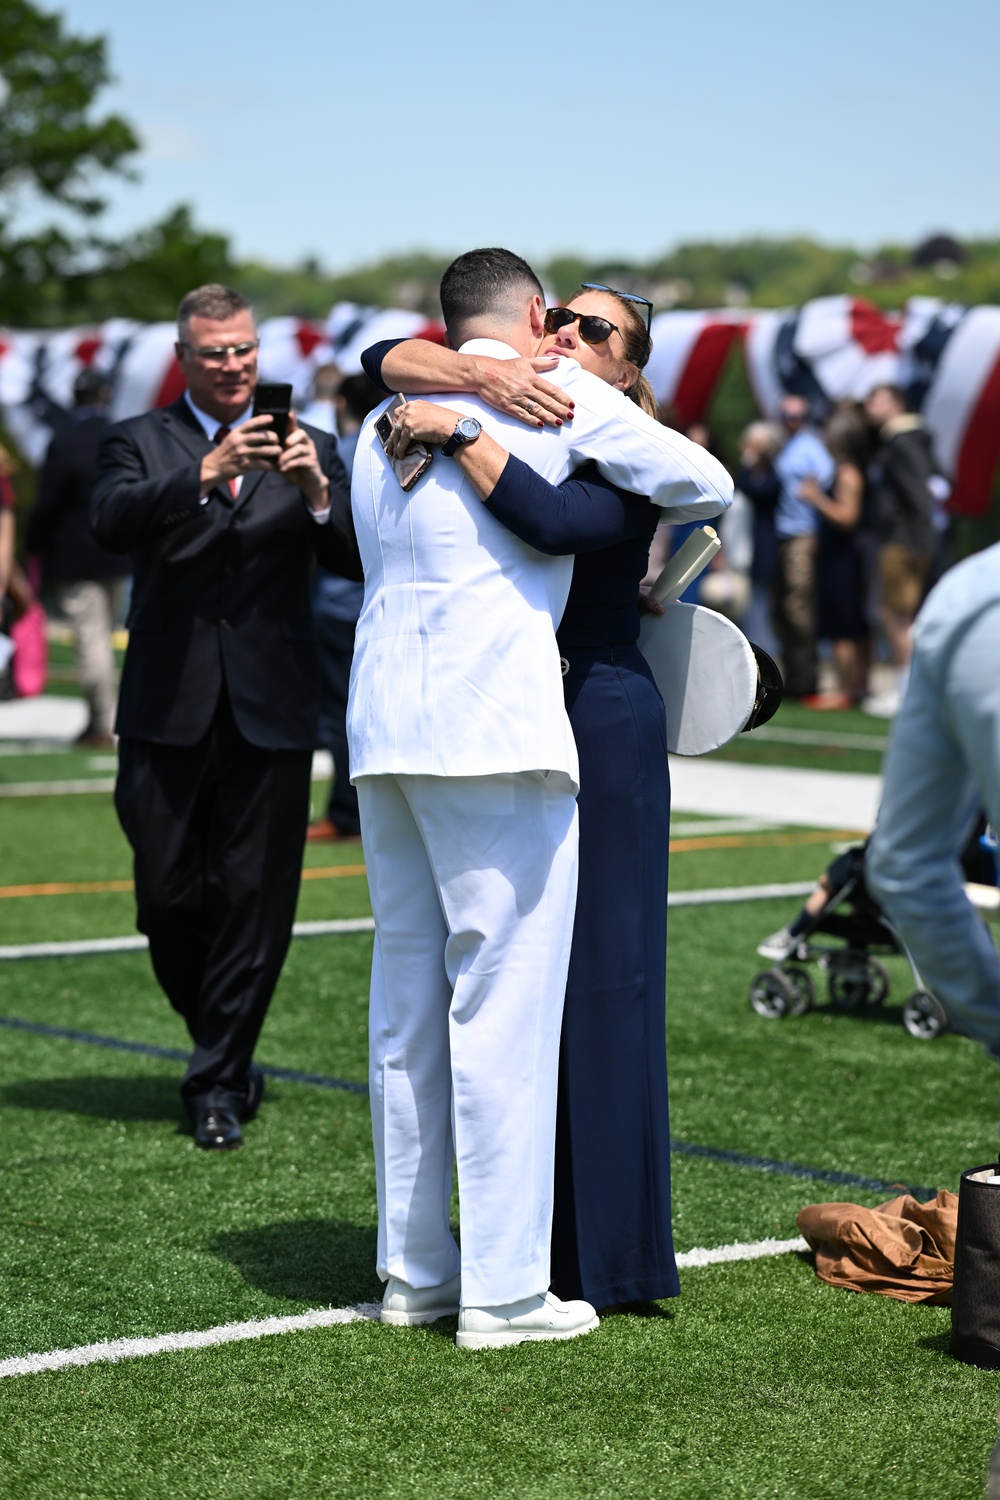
{"x": 56, "y": 788}
{"x": 321, "y": 771}
{"x": 88, "y": 947}
{"x": 723, "y": 1254}
{"x": 835, "y": 739}
{"x": 727, "y": 894}
{"x": 707, "y": 826}
{"x": 111, "y": 1351}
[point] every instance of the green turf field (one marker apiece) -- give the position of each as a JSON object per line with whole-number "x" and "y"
{"x": 758, "y": 1381}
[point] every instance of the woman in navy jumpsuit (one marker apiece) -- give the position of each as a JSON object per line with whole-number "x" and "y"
{"x": 611, "y": 1241}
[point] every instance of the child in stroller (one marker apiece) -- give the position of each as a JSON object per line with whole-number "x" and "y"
{"x": 840, "y": 906}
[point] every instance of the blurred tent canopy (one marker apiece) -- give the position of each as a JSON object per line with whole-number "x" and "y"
{"x": 58, "y": 149}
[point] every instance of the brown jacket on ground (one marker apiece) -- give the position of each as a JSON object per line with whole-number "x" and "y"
{"x": 901, "y": 1249}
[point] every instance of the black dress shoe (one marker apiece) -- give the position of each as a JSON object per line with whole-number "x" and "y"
{"x": 217, "y": 1129}
{"x": 255, "y": 1092}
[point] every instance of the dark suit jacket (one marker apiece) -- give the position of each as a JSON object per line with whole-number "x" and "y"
{"x": 904, "y": 505}
{"x": 221, "y": 591}
{"x": 58, "y": 528}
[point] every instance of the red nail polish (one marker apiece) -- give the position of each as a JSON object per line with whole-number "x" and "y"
{"x": 558, "y": 421}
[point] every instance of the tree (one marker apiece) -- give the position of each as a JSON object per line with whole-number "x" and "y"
{"x": 50, "y": 80}
{"x": 50, "y": 144}
{"x": 53, "y": 146}
{"x": 145, "y": 275}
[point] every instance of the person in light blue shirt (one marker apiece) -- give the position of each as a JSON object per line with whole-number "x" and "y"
{"x": 942, "y": 766}
{"x": 796, "y": 522}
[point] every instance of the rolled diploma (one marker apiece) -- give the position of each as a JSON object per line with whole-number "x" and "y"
{"x": 685, "y": 565}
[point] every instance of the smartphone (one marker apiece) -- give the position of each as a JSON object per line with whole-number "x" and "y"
{"x": 417, "y": 458}
{"x": 273, "y": 400}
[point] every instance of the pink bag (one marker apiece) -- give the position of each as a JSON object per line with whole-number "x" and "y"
{"x": 31, "y": 659}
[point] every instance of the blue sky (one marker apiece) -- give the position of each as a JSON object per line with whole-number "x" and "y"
{"x": 350, "y": 132}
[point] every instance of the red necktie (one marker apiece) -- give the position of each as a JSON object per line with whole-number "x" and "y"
{"x": 220, "y": 437}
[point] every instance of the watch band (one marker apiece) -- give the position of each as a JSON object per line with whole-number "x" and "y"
{"x": 458, "y": 439}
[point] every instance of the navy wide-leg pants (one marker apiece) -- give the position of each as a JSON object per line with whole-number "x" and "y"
{"x": 612, "y": 1239}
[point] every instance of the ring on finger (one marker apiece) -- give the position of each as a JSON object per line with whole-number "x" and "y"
{"x": 530, "y": 408}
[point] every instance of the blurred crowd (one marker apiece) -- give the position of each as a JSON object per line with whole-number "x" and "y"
{"x": 839, "y": 530}
{"x": 86, "y": 588}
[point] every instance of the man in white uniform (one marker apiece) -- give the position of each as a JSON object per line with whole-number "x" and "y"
{"x": 466, "y": 773}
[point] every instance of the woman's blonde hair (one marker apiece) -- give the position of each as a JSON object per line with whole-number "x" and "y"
{"x": 638, "y": 348}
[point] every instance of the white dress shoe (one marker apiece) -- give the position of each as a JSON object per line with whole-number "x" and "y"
{"x": 405, "y": 1305}
{"x": 521, "y": 1322}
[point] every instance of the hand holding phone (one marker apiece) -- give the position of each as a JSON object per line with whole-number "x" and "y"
{"x": 274, "y": 400}
{"x": 417, "y": 458}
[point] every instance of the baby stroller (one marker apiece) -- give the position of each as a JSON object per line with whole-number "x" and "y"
{"x": 855, "y": 976}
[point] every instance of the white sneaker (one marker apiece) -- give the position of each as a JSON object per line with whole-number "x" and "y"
{"x": 883, "y": 705}
{"x": 520, "y": 1322}
{"x": 406, "y": 1306}
{"x": 779, "y": 946}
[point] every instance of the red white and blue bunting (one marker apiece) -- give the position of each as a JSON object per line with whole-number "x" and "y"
{"x": 947, "y": 358}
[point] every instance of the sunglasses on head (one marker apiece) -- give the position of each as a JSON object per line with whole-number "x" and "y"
{"x": 596, "y": 286}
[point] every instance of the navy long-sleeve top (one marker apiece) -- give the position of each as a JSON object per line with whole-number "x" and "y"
{"x": 607, "y": 528}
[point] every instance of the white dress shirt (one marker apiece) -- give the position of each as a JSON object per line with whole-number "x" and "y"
{"x": 456, "y": 670}
{"x": 210, "y": 426}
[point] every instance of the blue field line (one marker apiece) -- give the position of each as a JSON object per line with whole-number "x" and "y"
{"x": 173, "y": 1054}
{"x": 793, "y": 1169}
{"x": 322, "y": 1081}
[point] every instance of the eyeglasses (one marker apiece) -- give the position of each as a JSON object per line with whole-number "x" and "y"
{"x": 595, "y": 286}
{"x": 218, "y": 354}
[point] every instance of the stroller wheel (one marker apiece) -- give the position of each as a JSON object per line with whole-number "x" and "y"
{"x": 924, "y": 1016}
{"x": 848, "y": 986}
{"x": 805, "y": 995}
{"x": 878, "y": 982}
{"x": 772, "y": 994}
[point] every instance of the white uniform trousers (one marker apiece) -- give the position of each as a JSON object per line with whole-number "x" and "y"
{"x": 473, "y": 887}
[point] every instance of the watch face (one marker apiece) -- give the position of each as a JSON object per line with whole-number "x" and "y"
{"x": 468, "y": 428}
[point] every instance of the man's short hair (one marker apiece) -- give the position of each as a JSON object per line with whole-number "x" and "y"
{"x": 91, "y": 388}
{"x": 220, "y": 303}
{"x": 360, "y": 395}
{"x": 491, "y": 283}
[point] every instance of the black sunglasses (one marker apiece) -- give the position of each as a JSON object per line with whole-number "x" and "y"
{"x": 593, "y": 330}
{"x": 596, "y": 286}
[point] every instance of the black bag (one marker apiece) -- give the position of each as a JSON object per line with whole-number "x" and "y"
{"x": 975, "y": 1306}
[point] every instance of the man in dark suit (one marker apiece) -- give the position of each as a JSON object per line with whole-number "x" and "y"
{"x": 220, "y": 687}
{"x": 89, "y": 581}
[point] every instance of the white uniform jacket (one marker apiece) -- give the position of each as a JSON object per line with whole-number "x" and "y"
{"x": 456, "y": 670}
